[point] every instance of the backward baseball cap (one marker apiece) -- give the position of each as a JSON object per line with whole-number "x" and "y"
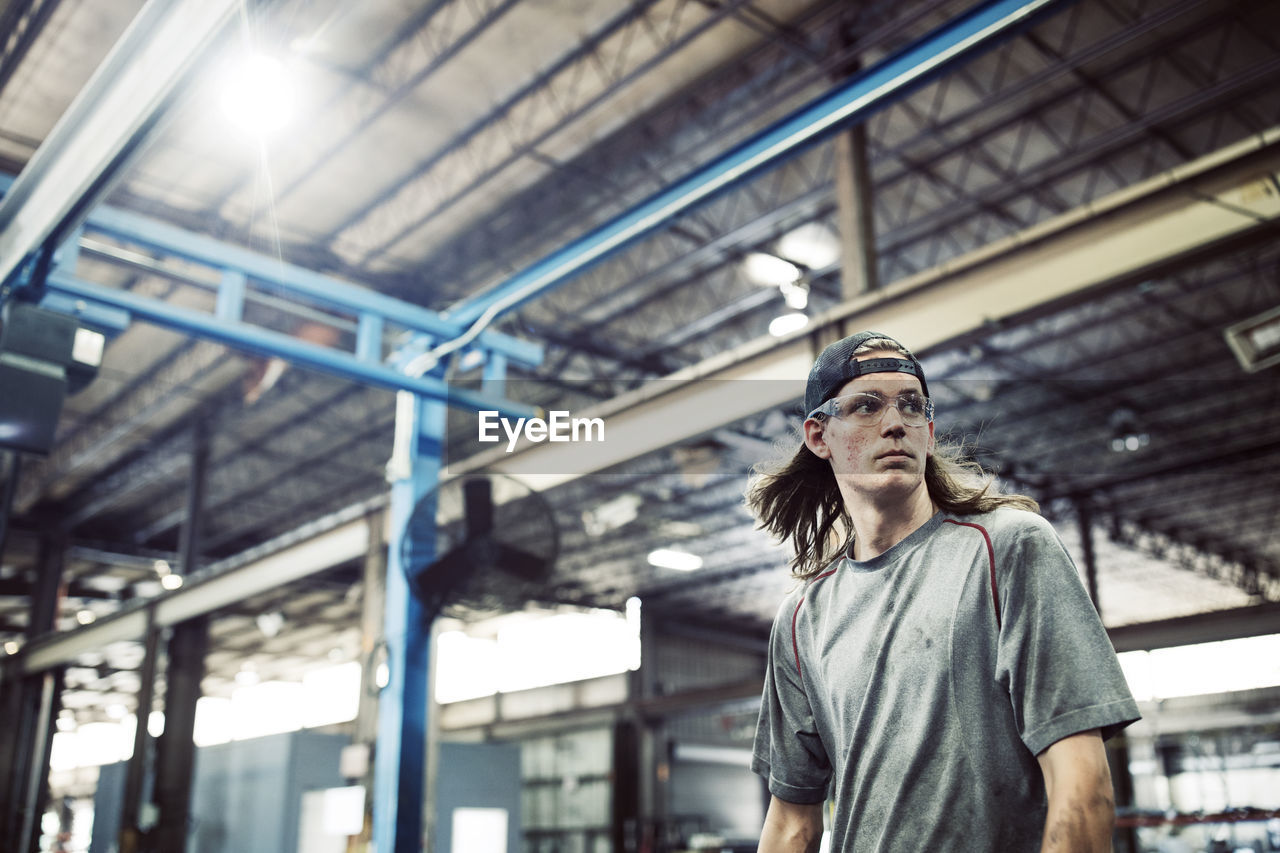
{"x": 836, "y": 366}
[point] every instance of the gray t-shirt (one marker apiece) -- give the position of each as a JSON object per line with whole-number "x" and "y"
{"x": 917, "y": 688}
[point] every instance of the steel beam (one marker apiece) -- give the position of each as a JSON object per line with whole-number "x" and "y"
{"x": 893, "y": 77}
{"x": 105, "y": 125}
{"x": 311, "y": 549}
{"x": 1122, "y": 237}
{"x": 265, "y": 342}
{"x": 1255, "y": 621}
{"x": 306, "y": 286}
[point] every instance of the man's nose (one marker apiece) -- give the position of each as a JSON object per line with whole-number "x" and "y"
{"x": 891, "y": 423}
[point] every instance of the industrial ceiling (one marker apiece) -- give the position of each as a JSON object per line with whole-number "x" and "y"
{"x": 439, "y": 147}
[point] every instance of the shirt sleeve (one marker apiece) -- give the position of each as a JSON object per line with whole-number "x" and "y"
{"x": 788, "y": 751}
{"x": 1054, "y": 655}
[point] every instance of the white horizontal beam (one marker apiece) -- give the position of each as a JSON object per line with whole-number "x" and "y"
{"x": 1118, "y": 238}
{"x": 206, "y": 592}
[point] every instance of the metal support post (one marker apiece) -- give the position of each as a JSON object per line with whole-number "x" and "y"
{"x": 43, "y": 616}
{"x": 625, "y": 807}
{"x": 176, "y": 751}
{"x": 24, "y": 741}
{"x": 1125, "y": 840}
{"x": 651, "y": 754}
{"x": 6, "y": 498}
{"x": 402, "y": 705}
{"x": 371, "y": 651}
{"x": 189, "y": 538}
{"x": 137, "y": 772}
{"x": 1084, "y": 516}
{"x": 48, "y": 689}
{"x": 855, "y": 214}
{"x": 371, "y": 610}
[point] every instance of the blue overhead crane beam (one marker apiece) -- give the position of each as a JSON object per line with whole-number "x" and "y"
{"x": 298, "y": 282}
{"x": 236, "y": 333}
{"x": 112, "y": 308}
{"x": 889, "y": 79}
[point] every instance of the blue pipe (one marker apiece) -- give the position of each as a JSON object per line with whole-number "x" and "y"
{"x": 893, "y": 77}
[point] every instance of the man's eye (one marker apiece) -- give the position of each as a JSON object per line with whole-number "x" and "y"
{"x": 911, "y": 405}
{"x": 864, "y": 406}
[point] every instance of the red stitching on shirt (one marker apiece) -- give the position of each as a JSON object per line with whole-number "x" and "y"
{"x": 795, "y": 647}
{"x": 991, "y": 559}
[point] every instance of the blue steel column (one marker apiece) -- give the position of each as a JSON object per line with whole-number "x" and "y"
{"x": 400, "y": 753}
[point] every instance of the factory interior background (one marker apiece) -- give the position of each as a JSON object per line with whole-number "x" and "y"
{"x": 263, "y": 262}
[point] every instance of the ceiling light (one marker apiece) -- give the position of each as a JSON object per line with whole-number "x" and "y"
{"x": 85, "y": 617}
{"x": 258, "y": 94}
{"x": 117, "y": 711}
{"x": 680, "y": 561}
{"x": 171, "y": 581}
{"x": 795, "y": 294}
{"x": 785, "y": 324}
{"x": 771, "y": 270}
{"x": 612, "y": 514}
{"x": 248, "y": 674}
{"x": 162, "y": 567}
{"x": 11, "y": 648}
{"x": 270, "y": 623}
{"x": 1256, "y": 341}
{"x": 812, "y": 244}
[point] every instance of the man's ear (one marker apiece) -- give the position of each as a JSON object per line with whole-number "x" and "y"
{"x": 815, "y": 439}
{"x": 932, "y": 443}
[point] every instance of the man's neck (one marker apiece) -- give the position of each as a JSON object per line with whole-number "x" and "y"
{"x": 878, "y": 527}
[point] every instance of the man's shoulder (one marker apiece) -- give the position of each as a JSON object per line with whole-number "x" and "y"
{"x": 1007, "y": 525}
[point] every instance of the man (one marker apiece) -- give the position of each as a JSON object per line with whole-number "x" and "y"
{"x": 941, "y": 674}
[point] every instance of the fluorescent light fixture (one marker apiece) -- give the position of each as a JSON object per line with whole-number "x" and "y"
{"x": 785, "y": 324}
{"x": 680, "y": 561}
{"x": 11, "y": 648}
{"x": 612, "y": 514}
{"x": 258, "y": 94}
{"x": 171, "y": 581}
{"x": 1256, "y": 341}
{"x": 795, "y": 294}
{"x": 88, "y": 346}
{"x": 812, "y": 244}
{"x": 270, "y": 623}
{"x": 85, "y": 617}
{"x": 771, "y": 270}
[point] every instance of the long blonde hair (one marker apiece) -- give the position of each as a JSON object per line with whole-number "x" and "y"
{"x": 798, "y": 499}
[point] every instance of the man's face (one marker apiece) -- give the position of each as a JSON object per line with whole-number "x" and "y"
{"x": 880, "y": 460}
